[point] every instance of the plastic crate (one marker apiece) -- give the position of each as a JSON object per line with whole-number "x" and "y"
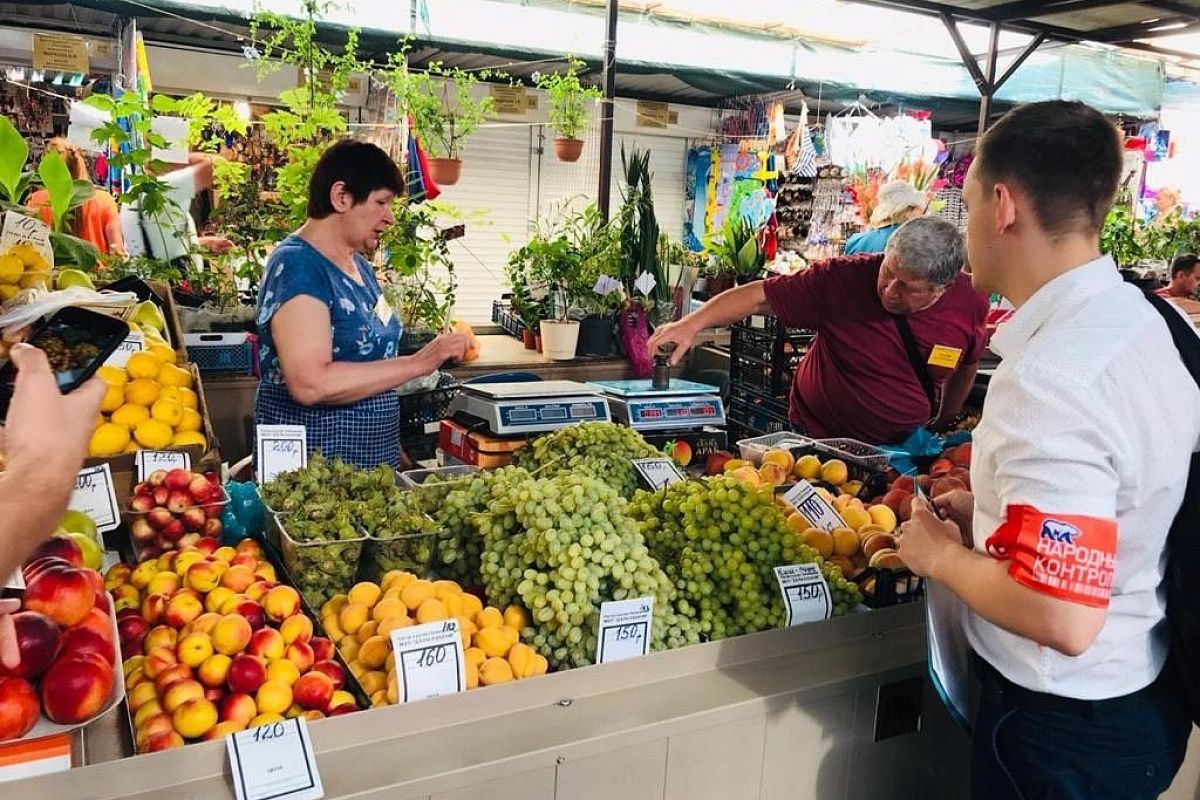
{"x": 502, "y": 315}
{"x": 889, "y": 587}
{"x": 418, "y": 445}
{"x": 756, "y": 419}
{"x": 319, "y": 568}
{"x": 410, "y": 552}
{"x": 753, "y": 449}
{"x": 421, "y": 409}
{"x": 750, "y": 398}
{"x": 858, "y": 452}
{"x": 223, "y": 353}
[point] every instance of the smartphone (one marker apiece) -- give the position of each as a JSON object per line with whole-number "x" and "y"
{"x": 76, "y": 342}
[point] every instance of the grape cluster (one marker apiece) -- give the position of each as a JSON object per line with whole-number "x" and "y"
{"x": 602, "y": 448}
{"x": 459, "y": 540}
{"x": 719, "y": 541}
{"x": 560, "y": 547}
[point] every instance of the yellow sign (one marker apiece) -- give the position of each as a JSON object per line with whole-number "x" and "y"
{"x": 943, "y": 356}
{"x": 651, "y": 114}
{"x": 60, "y": 53}
{"x": 510, "y": 100}
{"x": 325, "y": 81}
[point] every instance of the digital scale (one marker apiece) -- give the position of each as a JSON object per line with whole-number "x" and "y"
{"x": 516, "y": 409}
{"x": 683, "y": 405}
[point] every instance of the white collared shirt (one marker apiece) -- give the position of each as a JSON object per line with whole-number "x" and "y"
{"x": 1091, "y": 412}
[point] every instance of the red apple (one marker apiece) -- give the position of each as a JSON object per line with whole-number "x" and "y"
{"x": 333, "y": 669}
{"x": 157, "y": 477}
{"x": 142, "y": 488}
{"x": 213, "y": 526}
{"x": 246, "y": 674}
{"x": 173, "y": 531}
{"x": 313, "y": 690}
{"x": 65, "y": 595}
{"x": 322, "y": 648}
{"x": 193, "y": 519}
{"x": 18, "y": 707}
{"x": 141, "y": 503}
{"x": 159, "y": 518}
{"x": 161, "y": 495}
{"x": 59, "y": 547}
{"x": 37, "y": 644}
{"x": 178, "y": 479}
{"x": 75, "y": 689}
{"x": 178, "y": 502}
{"x": 85, "y": 640}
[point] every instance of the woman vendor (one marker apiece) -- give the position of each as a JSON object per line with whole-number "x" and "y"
{"x": 898, "y": 203}
{"x": 328, "y": 337}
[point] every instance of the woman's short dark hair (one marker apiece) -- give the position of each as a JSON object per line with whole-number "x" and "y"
{"x": 1065, "y": 155}
{"x": 1184, "y": 263}
{"x": 361, "y": 166}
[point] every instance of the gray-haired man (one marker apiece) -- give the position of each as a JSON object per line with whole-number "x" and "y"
{"x": 899, "y": 334}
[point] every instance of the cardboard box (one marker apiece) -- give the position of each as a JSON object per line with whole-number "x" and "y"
{"x": 480, "y": 449}
{"x": 703, "y": 442}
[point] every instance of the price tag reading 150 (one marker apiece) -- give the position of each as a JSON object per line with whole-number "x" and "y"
{"x": 429, "y": 660}
{"x": 805, "y": 593}
{"x": 274, "y": 762}
{"x": 624, "y": 629}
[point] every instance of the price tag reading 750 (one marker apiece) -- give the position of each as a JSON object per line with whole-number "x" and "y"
{"x": 429, "y": 660}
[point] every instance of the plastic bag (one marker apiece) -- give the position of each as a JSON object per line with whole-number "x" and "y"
{"x": 22, "y": 315}
{"x": 920, "y": 444}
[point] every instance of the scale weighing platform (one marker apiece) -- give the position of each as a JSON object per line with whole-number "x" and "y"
{"x": 516, "y": 409}
{"x": 684, "y": 405}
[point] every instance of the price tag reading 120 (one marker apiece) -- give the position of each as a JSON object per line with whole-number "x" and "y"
{"x": 281, "y": 448}
{"x": 805, "y": 593}
{"x": 429, "y": 660}
{"x": 624, "y": 629}
{"x": 274, "y": 762}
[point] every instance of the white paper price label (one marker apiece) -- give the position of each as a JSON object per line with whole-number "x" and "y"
{"x": 658, "y": 472}
{"x": 274, "y": 762}
{"x": 645, "y": 283}
{"x": 624, "y": 629}
{"x": 281, "y": 448}
{"x": 815, "y": 508}
{"x": 135, "y": 342}
{"x": 95, "y": 496}
{"x": 429, "y": 660}
{"x": 148, "y": 461}
{"x": 805, "y": 593}
{"x": 19, "y": 229}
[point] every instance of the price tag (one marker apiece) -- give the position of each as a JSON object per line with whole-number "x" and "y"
{"x": 805, "y": 593}
{"x": 645, "y": 283}
{"x": 606, "y": 285}
{"x": 429, "y": 660}
{"x": 95, "y": 496}
{"x": 624, "y": 629}
{"x": 658, "y": 472}
{"x": 148, "y": 461}
{"x": 281, "y": 448}
{"x": 19, "y": 229}
{"x": 815, "y": 508}
{"x": 135, "y": 342}
{"x": 274, "y": 761}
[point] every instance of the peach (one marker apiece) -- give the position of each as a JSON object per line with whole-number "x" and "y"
{"x": 64, "y": 594}
{"x": 136, "y": 678}
{"x": 179, "y": 693}
{"x": 194, "y": 649}
{"x": 213, "y": 672}
{"x": 312, "y": 715}
{"x": 273, "y": 697}
{"x": 342, "y": 698}
{"x": 746, "y": 475}
{"x": 232, "y": 634}
{"x": 159, "y": 660}
{"x": 164, "y": 583}
{"x": 258, "y": 590}
{"x": 265, "y": 571}
{"x": 313, "y": 690}
{"x": 217, "y": 598}
{"x": 333, "y": 669}
{"x": 246, "y": 674}
{"x": 222, "y": 729}
{"x": 300, "y": 654}
{"x": 283, "y": 670}
{"x": 141, "y": 695}
{"x": 280, "y": 603}
{"x": 152, "y": 726}
{"x": 268, "y": 643}
{"x": 203, "y": 576}
{"x": 185, "y": 560}
{"x": 773, "y": 474}
{"x": 238, "y": 578}
{"x": 160, "y": 636}
{"x": 162, "y": 741}
{"x": 249, "y": 547}
{"x": 148, "y": 710}
{"x": 173, "y": 673}
{"x": 205, "y": 623}
{"x": 194, "y": 718}
{"x": 215, "y": 695}
{"x": 230, "y": 606}
{"x": 154, "y": 608}
{"x": 253, "y": 613}
{"x": 166, "y": 561}
{"x": 142, "y": 574}
{"x": 85, "y": 640}
{"x": 37, "y": 644}
{"x": 322, "y": 648}
{"x": 75, "y": 689}
{"x": 265, "y": 719}
{"x": 117, "y": 575}
{"x": 238, "y": 708}
{"x": 207, "y": 545}
{"x": 126, "y": 596}
{"x": 296, "y": 628}
{"x": 248, "y": 560}
{"x": 132, "y": 664}
{"x": 226, "y": 554}
{"x": 182, "y": 609}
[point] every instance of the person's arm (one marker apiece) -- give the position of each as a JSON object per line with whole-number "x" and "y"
{"x": 45, "y": 440}
{"x": 113, "y": 232}
{"x": 954, "y": 394}
{"x": 301, "y": 330}
{"x": 724, "y": 309}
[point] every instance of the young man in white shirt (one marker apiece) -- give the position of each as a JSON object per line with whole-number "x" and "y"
{"x": 1078, "y": 470}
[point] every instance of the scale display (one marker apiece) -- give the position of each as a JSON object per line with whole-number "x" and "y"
{"x": 514, "y": 409}
{"x": 669, "y": 413}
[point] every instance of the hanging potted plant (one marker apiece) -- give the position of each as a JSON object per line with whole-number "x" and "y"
{"x": 444, "y": 108}
{"x": 568, "y": 107}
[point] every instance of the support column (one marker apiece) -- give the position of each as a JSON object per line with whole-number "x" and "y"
{"x": 988, "y": 90}
{"x": 607, "y": 109}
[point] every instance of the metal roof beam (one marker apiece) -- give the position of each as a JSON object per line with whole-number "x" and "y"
{"x": 1025, "y": 9}
{"x": 930, "y": 7}
{"x": 964, "y": 53}
{"x": 1018, "y": 61}
{"x": 1142, "y": 30}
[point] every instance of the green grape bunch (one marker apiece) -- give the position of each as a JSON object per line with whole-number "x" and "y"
{"x": 602, "y": 448}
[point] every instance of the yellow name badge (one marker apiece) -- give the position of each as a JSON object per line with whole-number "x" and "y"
{"x": 383, "y": 310}
{"x": 943, "y": 356}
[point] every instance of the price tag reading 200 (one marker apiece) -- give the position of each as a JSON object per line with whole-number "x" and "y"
{"x": 624, "y": 629}
{"x": 280, "y": 448}
{"x": 429, "y": 660}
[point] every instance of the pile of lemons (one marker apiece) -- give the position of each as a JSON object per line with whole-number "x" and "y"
{"x": 149, "y": 405}
{"x": 22, "y": 267}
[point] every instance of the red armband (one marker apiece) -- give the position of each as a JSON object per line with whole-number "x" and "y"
{"x": 1067, "y": 556}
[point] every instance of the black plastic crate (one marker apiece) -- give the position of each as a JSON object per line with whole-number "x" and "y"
{"x": 418, "y": 445}
{"x": 502, "y": 315}
{"x": 765, "y": 358}
{"x": 743, "y": 395}
{"x": 889, "y": 587}
{"x": 757, "y": 420}
{"x": 421, "y": 408}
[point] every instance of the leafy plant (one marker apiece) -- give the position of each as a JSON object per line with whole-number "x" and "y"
{"x": 568, "y": 99}
{"x": 14, "y": 152}
{"x": 418, "y": 273}
{"x": 738, "y": 249}
{"x": 442, "y": 102}
{"x": 639, "y": 231}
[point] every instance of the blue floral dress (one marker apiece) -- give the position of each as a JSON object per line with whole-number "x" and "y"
{"x": 367, "y": 432}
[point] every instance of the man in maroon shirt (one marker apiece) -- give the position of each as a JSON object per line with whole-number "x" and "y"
{"x": 857, "y": 379}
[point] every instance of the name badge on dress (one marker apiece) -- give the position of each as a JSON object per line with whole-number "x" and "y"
{"x": 943, "y": 356}
{"x": 383, "y": 310}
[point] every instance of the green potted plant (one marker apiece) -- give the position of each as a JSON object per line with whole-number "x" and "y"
{"x": 596, "y": 289}
{"x": 417, "y": 273}
{"x": 568, "y": 107}
{"x": 737, "y": 249}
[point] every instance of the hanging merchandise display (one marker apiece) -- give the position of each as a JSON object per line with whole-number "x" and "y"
{"x": 860, "y": 140}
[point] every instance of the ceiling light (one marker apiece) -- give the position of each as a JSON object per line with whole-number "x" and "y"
{"x": 242, "y": 109}
{"x": 1172, "y": 26}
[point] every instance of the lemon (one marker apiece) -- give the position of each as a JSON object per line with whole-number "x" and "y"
{"x": 100, "y": 420}
{"x": 171, "y": 395}
{"x": 132, "y": 447}
{"x": 188, "y": 398}
{"x": 189, "y": 421}
{"x": 29, "y": 255}
{"x": 162, "y": 352}
{"x": 113, "y": 376}
{"x": 171, "y": 375}
{"x": 189, "y": 439}
{"x": 167, "y": 411}
{"x": 114, "y": 398}
{"x": 73, "y": 277}
{"x": 142, "y": 392}
{"x": 149, "y": 315}
{"x": 130, "y": 415}
{"x": 8, "y": 291}
{"x": 11, "y": 269}
{"x": 143, "y": 365}
{"x": 108, "y": 440}
{"x": 153, "y": 434}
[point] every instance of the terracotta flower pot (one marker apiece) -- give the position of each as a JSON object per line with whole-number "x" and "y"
{"x": 445, "y": 171}
{"x": 537, "y": 342}
{"x": 527, "y": 339}
{"x": 568, "y": 150}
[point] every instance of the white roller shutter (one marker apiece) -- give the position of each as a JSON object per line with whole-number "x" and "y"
{"x": 496, "y": 179}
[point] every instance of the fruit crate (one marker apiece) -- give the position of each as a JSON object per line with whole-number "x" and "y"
{"x": 321, "y": 568}
{"x": 410, "y": 552}
{"x": 223, "y": 353}
{"x": 756, "y": 419}
{"x": 502, "y": 315}
{"x": 419, "y": 445}
{"x": 777, "y": 406}
{"x": 857, "y": 452}
{"x": 431, "y": 486}
{"x": 889, "y": 587}
{"x": 137, "y": 520}
{"x": 765, "y": 357}
{"x": 753, "y": 449}
{"x": 421, "y": 410}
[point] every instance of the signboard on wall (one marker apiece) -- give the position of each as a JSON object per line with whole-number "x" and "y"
{"x": 510, "y": 100}
{"x": 60, "y": 53}
{"x": 653, "y": 114}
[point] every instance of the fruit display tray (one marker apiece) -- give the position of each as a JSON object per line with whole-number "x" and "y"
{"x": 128, "y": 517}
{"x": 320, "y": 567}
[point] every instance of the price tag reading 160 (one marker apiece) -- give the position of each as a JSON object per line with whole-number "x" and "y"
{"x": 429, "y": 660}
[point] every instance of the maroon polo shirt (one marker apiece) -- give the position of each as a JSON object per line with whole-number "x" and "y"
{"x": 856, "y": 379}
